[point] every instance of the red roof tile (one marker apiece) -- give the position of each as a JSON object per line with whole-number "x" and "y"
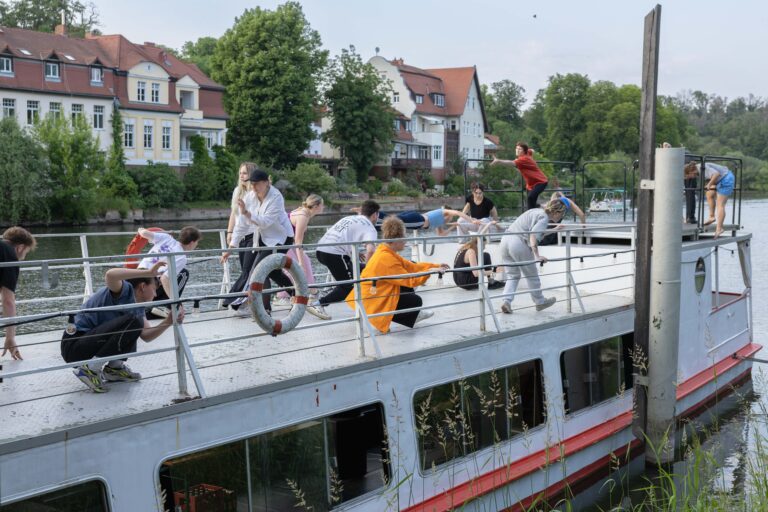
{"x": 457, "y": 83}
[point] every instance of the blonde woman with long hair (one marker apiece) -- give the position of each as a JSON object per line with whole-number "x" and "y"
{"x": 300, "y": 218}
{"x": 238, "y": 194}
{"x": 520, "y": 253}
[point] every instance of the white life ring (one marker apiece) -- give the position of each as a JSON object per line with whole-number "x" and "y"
{"x": 256, "y": 286}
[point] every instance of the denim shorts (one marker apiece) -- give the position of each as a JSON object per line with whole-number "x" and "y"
{"x": 726, "y": 184}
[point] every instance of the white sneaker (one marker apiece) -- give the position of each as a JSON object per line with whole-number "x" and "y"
{"x": 506, "y": 307}
{"x": 244, "y": 311}
{"x": 318, "y": 310}
{"x": 548, "y": 302}
{"x": 160, "y": 311}
{"x": 281, "y": 301}
{"x": 423, "y": 315}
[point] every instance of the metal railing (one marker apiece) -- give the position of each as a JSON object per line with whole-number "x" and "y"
{"x": 363, "y": 328}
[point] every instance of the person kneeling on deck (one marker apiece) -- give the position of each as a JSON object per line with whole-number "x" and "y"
{"x": 392, "y": 294}
{"x": 520, "y": 252}
{"x": 161, "y": 242}
{"x": 109, "y": 333}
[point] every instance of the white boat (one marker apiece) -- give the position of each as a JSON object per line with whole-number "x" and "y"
{"x": 470, "y": 409}
{"x": 610, "y": 201}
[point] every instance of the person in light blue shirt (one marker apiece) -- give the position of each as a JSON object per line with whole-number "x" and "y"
{"x": 720, "y": 184}
{"x": 440, "y": 219}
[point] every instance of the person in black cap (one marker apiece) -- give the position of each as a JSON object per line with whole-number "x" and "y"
{"x": 262, "y": 213}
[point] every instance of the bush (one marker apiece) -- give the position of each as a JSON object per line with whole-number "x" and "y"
{"x": 454, "y": 185}
{"x": 159, "y": 185}
{"x": 310, "y": 178}
{"x": 348, "y": 180}
{"x": 395, "y": 187}
{"x": 371, "y": 187}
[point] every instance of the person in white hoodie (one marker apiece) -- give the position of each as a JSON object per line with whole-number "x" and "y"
{"x": 262, "y": 213}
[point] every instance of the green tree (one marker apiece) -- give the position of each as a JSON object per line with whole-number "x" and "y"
{"x": 44, "y": 15}
{"x": 270, "y": 63}
{"x": 508, "y": 101}
{"x": 75, "y": 163}
{"x": 199, "y": 181}
{"x": 226, "y": 168}
{"x": 358, "y": 101}
{"x": 200, "y": 52}
{"x": 565, "y": 99}
{"x": 23, "y": 173}
{"x": 116, "y": 182}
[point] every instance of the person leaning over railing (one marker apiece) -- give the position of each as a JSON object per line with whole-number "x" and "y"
{"x": 393, "y": 294}
{"x": 523, "y": 246}
{"x": 15, "y": 245}
{"x": 110, "y": 333}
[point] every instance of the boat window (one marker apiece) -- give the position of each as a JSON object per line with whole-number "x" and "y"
{"x": 700, "y": 274}
{"x": 86, "y": 497}
{"x": 315, "y": 465}
{"x": 461, "y": 417}
{"x": 596, "y": 372}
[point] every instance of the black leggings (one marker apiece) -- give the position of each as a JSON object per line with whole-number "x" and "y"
{"x": 252, "y": 259}
{"x": 533, "y": 194}
{"x": 408, "y": 299}
{"x": 116, "y": 336}
{"x": 691, "y": 185}
{"x": 340, "y": 268}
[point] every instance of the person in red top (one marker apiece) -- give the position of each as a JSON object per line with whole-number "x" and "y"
{"x": 535, "y": 180}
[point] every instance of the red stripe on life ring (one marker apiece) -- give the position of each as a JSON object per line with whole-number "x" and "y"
{"x": 257, "y": 286}
{"x": 301, "y": 300}
{"x": 277, "y": 328}
{"x": 287, "y": 262}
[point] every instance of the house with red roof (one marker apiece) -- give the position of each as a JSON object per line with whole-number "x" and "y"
{"x": 163, "y": 101}
{"x": 442, "y": 115}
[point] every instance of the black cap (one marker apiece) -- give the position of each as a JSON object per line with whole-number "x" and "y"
{"x": 258, "y": 175}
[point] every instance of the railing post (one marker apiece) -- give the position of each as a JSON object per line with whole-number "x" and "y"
{"x": 226, "y": 277}
{"x": 568, "y": 270}
{"x": 86, "y": 268}
{"x": 181, "y": 369}
{"x": 481, "y": 278}
{"x": 717, "y": 276}
{"x": 359, "y": 327}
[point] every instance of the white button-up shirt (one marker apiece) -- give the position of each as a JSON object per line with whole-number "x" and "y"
{"x": 268, "y": 220}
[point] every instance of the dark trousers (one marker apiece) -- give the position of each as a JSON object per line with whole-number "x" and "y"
{"x": 408, "y": 299}
{"x": 117, "y": 336}
{"x": 533, "y": 195}
{"x": 276, "y": 275}
{"x": 340, "y": 268}
{"x": 690, "y": 200}
{"x": 247, "y": 260}
{"x": 181, "y": 278}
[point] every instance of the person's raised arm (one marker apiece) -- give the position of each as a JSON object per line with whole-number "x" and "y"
{"x": 115, "y": 276}
{"x": 498, "y": 161}
{"x": 147, "y": 235}
{"x": 457, "y": 213}
{"x": 8, "y": 298}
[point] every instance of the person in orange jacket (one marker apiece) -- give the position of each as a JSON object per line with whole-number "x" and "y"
{"x": 393, "y": 294}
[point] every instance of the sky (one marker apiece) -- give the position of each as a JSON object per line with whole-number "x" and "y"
{"x": 710, "y": 45}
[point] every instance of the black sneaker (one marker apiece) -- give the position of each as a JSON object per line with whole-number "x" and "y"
{"x": 494, "y": 284}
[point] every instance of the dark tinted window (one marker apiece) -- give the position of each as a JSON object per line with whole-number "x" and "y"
{"x": 87, "y": 497}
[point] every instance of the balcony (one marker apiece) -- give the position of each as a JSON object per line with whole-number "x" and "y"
{"x": 411, "y": 163}
{"x": 186, "y": 156}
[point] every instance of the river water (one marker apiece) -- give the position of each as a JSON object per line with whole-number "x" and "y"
{"x": 736, "y": 433}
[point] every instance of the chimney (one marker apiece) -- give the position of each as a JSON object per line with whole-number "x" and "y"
{"x": 149, "y": 43}
{"x": 61, "y": 29}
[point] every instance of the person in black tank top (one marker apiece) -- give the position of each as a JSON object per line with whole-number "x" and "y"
{"x": 467, "y": 257}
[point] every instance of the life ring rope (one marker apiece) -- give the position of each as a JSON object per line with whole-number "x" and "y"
{"x": 259, "y": 276}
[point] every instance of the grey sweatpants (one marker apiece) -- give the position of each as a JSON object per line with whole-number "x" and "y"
{"x": 514, "y": 250}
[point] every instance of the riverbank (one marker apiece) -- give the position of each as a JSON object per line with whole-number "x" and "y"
{"x": 221, "y": 212}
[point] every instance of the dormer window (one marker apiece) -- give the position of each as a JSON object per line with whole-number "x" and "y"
{"x": 397, "y": 125}
{"x": 97, "y": 75}
{"x": 52, "y": 71}
{"x": 6, "y": 65}
{"x": 439, "y": 100}
{"x": 396, "y": 97}
{"x": 419, "y": 99}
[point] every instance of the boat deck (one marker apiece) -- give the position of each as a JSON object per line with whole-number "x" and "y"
{"x": 56, "y": 401}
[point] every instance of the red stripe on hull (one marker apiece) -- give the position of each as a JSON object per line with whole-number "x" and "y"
{"x": 501, "y": 477}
